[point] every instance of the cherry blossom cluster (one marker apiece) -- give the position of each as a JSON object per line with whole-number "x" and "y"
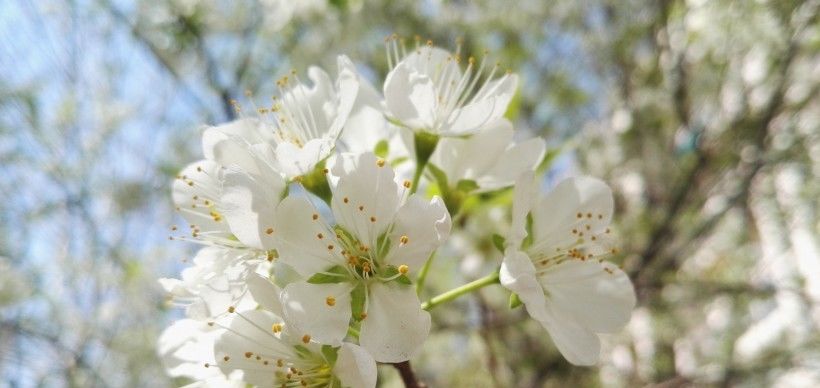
{"x": 319, "y": 214}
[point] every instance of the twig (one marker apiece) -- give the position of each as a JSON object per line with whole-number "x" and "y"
{"x": 407, "y": 375}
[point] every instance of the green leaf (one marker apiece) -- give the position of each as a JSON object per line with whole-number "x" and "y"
{"x": 391, "y": 271}
{"x": 439, "y": 175}
{"x": 466, "y": 185}
{"x": 335, "y": 274}
{"x": 357, "y": 299}
{"x": 382, "y": 149}
{"x": 330, "y": 353}
{"x": 403, "y": 279}
{"x": 499, "y": 241}
{"x": 515, "y": 301}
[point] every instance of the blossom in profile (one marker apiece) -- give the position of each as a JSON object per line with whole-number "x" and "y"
{"x": 554, "y": 262}
{"x": 490, "y": 159}
{"x": 430, "y": 90}
{"x": 359, "y": 265}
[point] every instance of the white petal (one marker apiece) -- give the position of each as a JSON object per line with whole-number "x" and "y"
{"x": 298, "y": 227}
{"x": 524, "y": 197}
{"x": 184, "y": 347}
{"x": 250, "y": 331}
{"x": 197, "y": 183}
{"x": 503, "y": 90}
{"x": 517, "y": 274}
{"x": 307, "y": 310}
{"x": 294, "y": 160}
{"x": 371, "y": 193}
{"x": 524, "y": 156}
{"x": 575, "y": 203}
{"x": 265, "y": 293}
{"x": 597, "y": 295}
{"x": 472, "y": 157}
{"x": 576, "y": 343}
{"x": 396, "y": 326}
{"x": 426, "y": 224}
{"x": 230, "y": 144}
{"x": 250, "y": 207}
{"x": 355, "y": 367}
{"x": 348, "y": 87}
{"x": 410, "y": 97}
{"x": 470, "y": 118}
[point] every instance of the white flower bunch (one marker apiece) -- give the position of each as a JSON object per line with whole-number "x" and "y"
{"x": 320, "y": 215}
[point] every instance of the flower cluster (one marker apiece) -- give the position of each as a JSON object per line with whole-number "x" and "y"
{"x": 319, "y": 215}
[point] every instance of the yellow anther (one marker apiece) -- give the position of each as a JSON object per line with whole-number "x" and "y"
{"x": 331, "y": 301}
{"x": 306, "y": 338}
{"x": 406, "y": 184}
{"x": 315, "y": 216}
{"x": 231, "y": 309}
{"x": 269, "y": 231}
{"x": 380, "y": 162}
{"x": 248, "y": 354}
{"x": 404, "y": 239}
{"x": 276, "y": 327}
{"x": 403, "y": 269}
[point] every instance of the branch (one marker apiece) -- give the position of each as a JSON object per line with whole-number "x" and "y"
{"x": 407, "y": 375}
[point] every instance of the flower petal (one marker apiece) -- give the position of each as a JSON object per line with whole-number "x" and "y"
{"x": 294, "y": 160}
{"x": 524, "y": 198}
{"x": 348, "y": 87}
{"x": 517, "y": 274}
{"x": 355, "y": 367}
{"x": 196, "y": 194}
{"x": 265, "y": 293}
{"x": 309, "y": 310}
{"x": 228, "y": 144}
{"x": 365, "y": 197}
{"x": 597, "y": 295}
{"x": 305, "y": 241}
{"x": 576, "y": 343}
{"x": 250, "y": 331}
{"x": 576, "y": 203}
{"x": 250, "y": 206}
{"x": 396, "y": 326}
{"x": 410, "y": 97}
{"x": 524, "y": 156}
{"x": 472, "y": 157}
{"x": 424, "y": 225}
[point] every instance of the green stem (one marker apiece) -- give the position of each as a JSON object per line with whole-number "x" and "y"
{"x": 423, "y": 273}
{"x": 417, "y": 176}
{"x": 459, "y": 291}
{"x": 353, "y": 332}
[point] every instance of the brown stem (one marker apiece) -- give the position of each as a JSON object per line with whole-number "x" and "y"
{"x": 407, "y": 375}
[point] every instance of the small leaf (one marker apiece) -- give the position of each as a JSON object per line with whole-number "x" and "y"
{"x": 403, "y": 279}
{"x": 335, "y": 274}
{"x": 330, "y": 353}
{"x": 515, "y": 301}
{"x": 499, "y": 242}
{"x": 357, "y": 299}
{"x": 466, "y": 185}
{"x": 382, "y": 149}
{"x": 439, "y": 175}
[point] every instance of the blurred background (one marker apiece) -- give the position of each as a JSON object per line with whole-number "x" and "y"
{"x": 702, "y": 115}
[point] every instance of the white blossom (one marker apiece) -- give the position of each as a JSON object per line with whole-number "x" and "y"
{"x": 358, "y": 266}
{"x": 488, "y": 158}
{"x": 554, "y": 262}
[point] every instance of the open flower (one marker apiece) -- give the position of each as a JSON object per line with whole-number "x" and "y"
{"x": 427, "y": 91}
{"x": 554, "y": 262}
{"x": 489, "y": 158}
{"x": 268, "y": 354}
{"x": 360, "y": 265}
{"x": 296, "y": 132}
